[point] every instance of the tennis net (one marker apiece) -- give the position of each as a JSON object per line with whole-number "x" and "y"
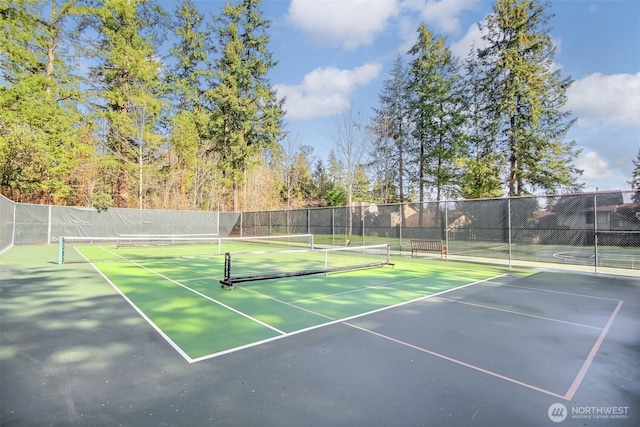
{"x": 261, "y": 265}
{"x": 139, "y": 247}
{"x": 160, "y": 239}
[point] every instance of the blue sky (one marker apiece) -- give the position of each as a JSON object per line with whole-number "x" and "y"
{"x": 334, "y": 55}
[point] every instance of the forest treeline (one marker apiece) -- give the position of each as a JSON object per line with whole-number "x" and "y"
{"x": 114, "y": 103}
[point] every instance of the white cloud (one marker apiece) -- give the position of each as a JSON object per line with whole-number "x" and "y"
{"x": 441, "y": 15}
{"x": 599, "y": 100}
{"x": 349, "y": 22}
{"x": 594, "y": 166}
{"x": 325, "y": 91}
{"x": 472, "y": 39}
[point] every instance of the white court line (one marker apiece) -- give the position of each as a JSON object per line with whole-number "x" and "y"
{"x": 572, "y": 255}
{"x": 554, "y": 292}
{"x": 204, "y": 296}
{"x": 282, "y": 334}
{"x": 360, "y": 289}
{"x": 290, "y": 304}
{"x": 175, "y": 346}
{"x": 384, "y": 285}
{"x": 519, "y": 313}
{"x": 343, "y": 320}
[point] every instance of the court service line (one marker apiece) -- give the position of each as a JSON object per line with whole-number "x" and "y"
{"x": 554, "y": 292}
{"x": 266, "y": 325}
{"x": 519, "y": 313}
{"x": 290, "y": 304}
{"x": 384, "y": 285}
{"x": 587, "y": 363}
{"x": 360, "y": 289}
{"x": 343, "y": 320}
{"x": 456, "y": 361}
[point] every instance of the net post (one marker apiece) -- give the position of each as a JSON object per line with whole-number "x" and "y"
{"x": 226, "y": 282}
{"x": 61, "y": 250}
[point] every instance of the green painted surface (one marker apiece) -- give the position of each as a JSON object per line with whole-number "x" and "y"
{"x": 182, "y": 296}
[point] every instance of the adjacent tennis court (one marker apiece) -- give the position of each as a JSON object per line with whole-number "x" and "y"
{"x": 146, "y": 334}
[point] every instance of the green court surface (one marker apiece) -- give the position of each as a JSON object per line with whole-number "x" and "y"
{"x": 150, "y": 337}
{"x": 181, "y": 296}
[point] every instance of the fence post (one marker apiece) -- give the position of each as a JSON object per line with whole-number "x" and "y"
{"x": 49, "y": 226}
{"x": 446, "y": 225}
{"x": 509, "y": 227}
{"x": 595, "y": 232}
{"x": 362, "y": 209}
{"x": 333, "y": 226}
{"x": 401, "y": 223}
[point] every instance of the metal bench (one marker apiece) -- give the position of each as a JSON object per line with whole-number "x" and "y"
{"x": 418, "y": 245}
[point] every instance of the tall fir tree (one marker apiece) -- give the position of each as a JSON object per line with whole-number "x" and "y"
{"x": 41, "y": 130}
{"x": 391, "y": 127}
{"x": 530, "y": 97}
{"x": 297, "y": 180}
{"x": 247, "y": 116}
{"x": 191, "y": 149}
{"x": 125, "y": 89}
{"x": 438, "y": 113}
{"x": 483, "y": 163}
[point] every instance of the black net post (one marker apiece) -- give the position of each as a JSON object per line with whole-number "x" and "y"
{"x": 226, "y": 282}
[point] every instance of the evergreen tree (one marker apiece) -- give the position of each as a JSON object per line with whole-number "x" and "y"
{"x": 361, "y": 186}
{"x": 247, "y": 116}
{"x": 192, "y": 150}
{"x": 320, "y": 180}
{"x": 384, "y": 172}
{"x": 437, "y": 112}
{"x": 125, "y": 86}
{"x": 530, "y": 96}
{"x": 297, "y": 181}
{"x": 41, "y": 130}
{"x": 391, "y": 129}
{"x": 483, "y": 164}
{"x": 336, "y": 193}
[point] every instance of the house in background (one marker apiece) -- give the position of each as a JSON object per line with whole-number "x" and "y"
{"x": 616, "y": 220}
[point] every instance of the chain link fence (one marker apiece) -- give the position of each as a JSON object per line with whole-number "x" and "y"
{"x": 595, "y": 230}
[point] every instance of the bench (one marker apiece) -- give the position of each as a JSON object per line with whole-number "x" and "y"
{"x": 428, "y": 246}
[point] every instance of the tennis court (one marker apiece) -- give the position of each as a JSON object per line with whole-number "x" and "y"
{"x": 148, "y": 336}
{"x": 176, "y": 286}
